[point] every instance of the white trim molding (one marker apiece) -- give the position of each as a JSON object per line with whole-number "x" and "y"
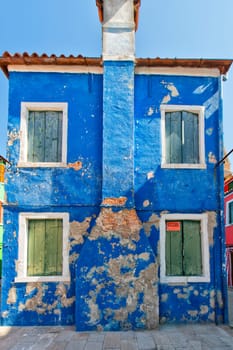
{"x": 23, "y": 242}
{"x": 200, "y": 110}
{"x": 205, "y": 277}
{"x": 56, "y": 69}
{"x": 180, "y": 71}
{"x": 42, "y": 106}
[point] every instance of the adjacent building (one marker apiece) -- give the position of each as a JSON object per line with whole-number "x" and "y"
{"x": 114, "y": 203}
{"x": 228, "y": 209}
{"x": 3, "y": 163}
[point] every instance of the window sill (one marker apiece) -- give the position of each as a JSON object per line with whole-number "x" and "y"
{"x": 41, "y": 165}
{"x": 184, "y": 280}
{"x": 42, "y": 279}
{"x": 183, "y": 166}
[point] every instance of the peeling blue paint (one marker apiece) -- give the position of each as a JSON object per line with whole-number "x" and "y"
{"x": 99, "y": 297}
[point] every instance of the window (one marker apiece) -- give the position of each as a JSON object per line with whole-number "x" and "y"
{"x": 43, "y": 247}
{"x": 43, "y": 134}
{"x": 230, "y": 186}
{"x": 182, "y": 136}
{"x": 184, "y": 248}
{"x": 230, "y": 213}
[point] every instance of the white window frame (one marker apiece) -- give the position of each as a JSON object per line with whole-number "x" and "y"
{"x": 203, "y": 218}
{"x": 200, "y": 110}
{"x": 227, "y": 213}
{"x": 26, "y": 107}
{"x": 23, "y": 243}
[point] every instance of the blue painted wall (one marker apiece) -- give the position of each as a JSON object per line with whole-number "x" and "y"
{"x": 79, "y": 193}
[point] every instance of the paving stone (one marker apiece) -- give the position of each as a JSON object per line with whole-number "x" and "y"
{"x": 128, "y": 345}
{"x": 96, "y": 337}
{"x": 145, "y": 341}
{"x": 64, "y": 336}
{"x": 112, "y": 341}
{"x": 57, "y": 346}
{"x": 76, "y": 345}
{"x": 23, "y": 346}
{"x": 93, "y": 346}
{"x": 194, "y": 345}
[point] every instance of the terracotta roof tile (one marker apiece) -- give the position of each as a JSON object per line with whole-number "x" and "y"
{"x": 25, "y": 58}
{"x": 43, "y": 59}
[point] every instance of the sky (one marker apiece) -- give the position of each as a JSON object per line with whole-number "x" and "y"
{"x": 167, "y": 28}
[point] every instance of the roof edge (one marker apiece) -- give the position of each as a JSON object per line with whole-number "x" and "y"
{"x": 223, "y": 65}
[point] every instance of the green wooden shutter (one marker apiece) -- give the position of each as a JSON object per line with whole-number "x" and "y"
{"x": 36, "y": 247}
{"x": 53, "y": 136}
{"x": 45, "y": 136}
{"x": 44, "y": 247}
{"x": 190, "y": 137}
{"x": 53, "y": 247}
{"x": 192, "y": 248}
{"x": 30, "y": 131}
{"x": 173, "y": 253}
{"x": 173, "y": 129}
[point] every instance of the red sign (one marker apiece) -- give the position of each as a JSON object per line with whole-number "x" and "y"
{"x": 173, "y": 226}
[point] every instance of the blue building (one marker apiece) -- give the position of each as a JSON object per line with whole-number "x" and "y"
{"x": 114, "y": 214}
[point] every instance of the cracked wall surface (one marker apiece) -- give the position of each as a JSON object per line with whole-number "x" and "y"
{"x": 114, "y": 254}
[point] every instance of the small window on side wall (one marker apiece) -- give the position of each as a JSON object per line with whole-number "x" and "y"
{"x": 182, "y": 130}
{"x": 43, "y": 134}
{"x": 43, "y": 247}
{"x": 230, "y": 213}
{"x": 184, "y": 248}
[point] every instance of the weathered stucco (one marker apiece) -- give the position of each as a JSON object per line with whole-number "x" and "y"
{"x": 114, "y": 256}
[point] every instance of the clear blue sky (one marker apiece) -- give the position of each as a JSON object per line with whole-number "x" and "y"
{"x": 171, "y": 28}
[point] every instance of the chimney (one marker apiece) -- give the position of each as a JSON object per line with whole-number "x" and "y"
{"x": 118, "y": 29}
{"x": 117, "y": 275}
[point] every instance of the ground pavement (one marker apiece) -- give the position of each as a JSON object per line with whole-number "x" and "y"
{"x": 172, "y": 337}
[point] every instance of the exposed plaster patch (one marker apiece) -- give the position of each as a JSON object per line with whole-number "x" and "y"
{"x": 154, "y": 220}
{"x": 30, "y": 288}
{"x": 150, "y": 175}
{"x": 211, "y": 105}
{"x": 164, "y": 297}
{"x": 73, "y": 258}
{"x": 212, "y": 223}
{"x": 212, "y": 316}
{"x": 212, "y": 158}
{"x": 12, "y": 296}
{"x": 173, "y": 92}
{"x": 124, "y": 223}
{"x": 78, "y": 230}
{"x": 94, "y": 313}
{"x": 170, "y": 87}
{"x": 176, "y": 291}
{"x": 209, "y": 131}
{"x": 193, "y": 313}
{"x": 220, "y": 299}
{"x": 150, "y": 112}
{"x": 5, "y": 314}
{"x": 146, "y": 203}
{"x": 62, "y": 292}
{"x": 12, "y": 137}
{"x": 212, "y": 299}
{"x": 57, "y": 312}
{"x": 114, "y": 201}
{"x": 200, "y": 89}
{"x": 182, "y": 296}
{"x": 76, "y": 165}
{"x": 37, "y": 304}
{"x": 204, "y": 309}
{"x": 166, "y": 99}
